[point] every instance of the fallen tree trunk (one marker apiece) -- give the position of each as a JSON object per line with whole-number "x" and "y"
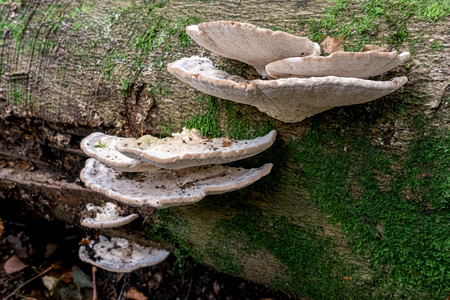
{"x": 319, "y": 225}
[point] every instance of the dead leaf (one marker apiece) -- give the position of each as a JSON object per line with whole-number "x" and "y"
{"x": 50, "y": 248}
{"x": 373, "y": 48}
{"x": 134, "y": 294}
{"x": 226, "y": 142}
{"x": 2, "y": 229}
{"x": 80, "y": 278}
{"x": 84, "y": 241}
{"x": 67, "y": 276}
{"x": 156, "y": 281}
{"x": 216, "y": 288}
{"x": 50, "y": 282}
{"x": 330, "y": 45}
{"x": 14, "y": 265}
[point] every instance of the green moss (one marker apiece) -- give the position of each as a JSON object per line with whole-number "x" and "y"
{"x": 362, "y": 22}
{"x": 16, "y": 95}
{"x": 152, "y": 33}
{"x": 437, "y": 46}
{"x": 398, "y": 218}
{"x": 126, "y": 85}
{"x": 208, "y": 122}
{"x": 15, "y": 27}
{"x": 220, "y": 118}
{"x": 312, "y": 266}
{"x": 175, "y": 232}
{"x": 225, "y": 260}
{"x": 80, "y": 9}
{"x": 161, "y": 31}
{"x": 428, "y": 169}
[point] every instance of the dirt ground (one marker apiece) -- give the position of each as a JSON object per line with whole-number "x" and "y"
{"x": 38, "y": 260}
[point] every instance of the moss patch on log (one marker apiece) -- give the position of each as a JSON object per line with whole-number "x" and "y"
{"x": 374, "y": 21}
{"x": 394, "y": 207}
{"x": 237, "y": 230}
{"x": 221, "y": 118}
{"x": 395, "y": 211}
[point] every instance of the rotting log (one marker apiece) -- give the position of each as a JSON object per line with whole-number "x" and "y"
{"x": 69, "y": 68}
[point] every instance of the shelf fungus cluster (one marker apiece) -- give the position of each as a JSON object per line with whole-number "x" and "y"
{"x": 300, "y": 82}
{"x": 178, "y": 170}
{"x": 115, "y": 254}
{"x": 159, "y": 173}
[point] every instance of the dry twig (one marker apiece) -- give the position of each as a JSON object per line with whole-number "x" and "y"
{"x": 26, "y": 282}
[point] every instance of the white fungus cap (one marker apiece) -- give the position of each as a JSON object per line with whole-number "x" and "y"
{"x": 106, "y": 216}
{"x": 250, "y": 44}
{"x": 119, "y": 255}
{"x": 102, "y": 147}
{"x": 286, "y": 99}
{"x": 189, "y": 148}
{"x": 164, "y": 188}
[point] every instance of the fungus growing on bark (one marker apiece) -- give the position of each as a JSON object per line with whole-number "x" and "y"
{"x": 250, "y": 44}
{"x": 189, "y": 148}
{"x": 102, "y": 147}
{"x": 342, "y": 64}
{"x": 286, "y": 99}
{"x": 164, "y": 188}
{"x": 107, "y": 216}
{"x": 119, "y": 255}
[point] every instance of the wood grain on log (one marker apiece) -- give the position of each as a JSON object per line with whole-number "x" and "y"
{"x": 69, "y": 68}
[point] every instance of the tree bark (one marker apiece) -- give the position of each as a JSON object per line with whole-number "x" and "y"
{"x": 69, "y": 68}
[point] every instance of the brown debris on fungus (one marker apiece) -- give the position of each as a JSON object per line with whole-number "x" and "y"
{"x": 119, "y": 255}
{"x": 286, "y": 99}
{"x": 331, "y": 45}
{"x": 189, "y": 148}
{"x": 106, "y": 216}
{"x": 164, "y": 188}
{"x": 249, "y": 43}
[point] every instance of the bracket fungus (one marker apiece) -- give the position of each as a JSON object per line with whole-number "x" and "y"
{"x": 342, "y": 64}
{"x": 107, "y": 216}
{"x": 119, "y": 255}
{"x": 163, "y": 188}
{"x": 102, "y": 147}
{"x": 286, "y": 99}
{"x": 335, "y": 80}
{"x": 189, "y": 148}
{"x": 250, "y": 44}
